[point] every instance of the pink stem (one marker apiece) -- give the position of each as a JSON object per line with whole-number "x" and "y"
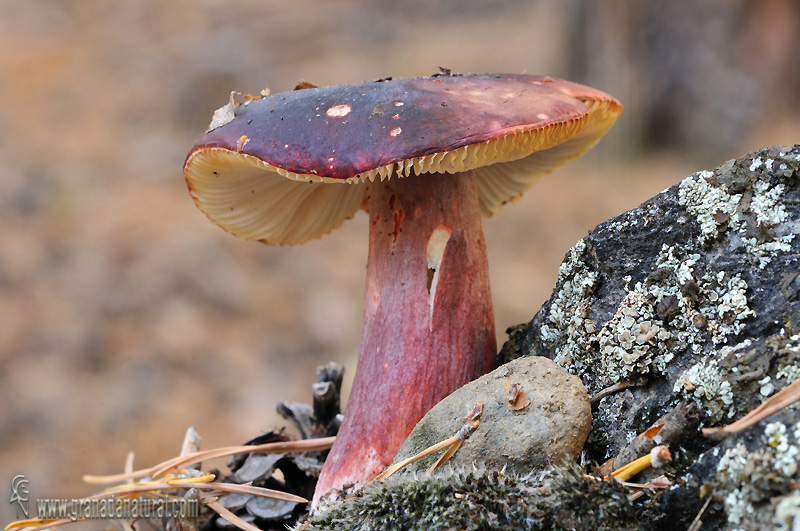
{"x": 426, "y": 244}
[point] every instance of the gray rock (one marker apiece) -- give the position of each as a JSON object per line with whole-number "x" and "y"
{"x": 692, "y": 298}
{"x": 550, "y": 430}
{"x": 751, "y": 478}
{"x": 675, "y": 295}
{"x": 270, "y": 509}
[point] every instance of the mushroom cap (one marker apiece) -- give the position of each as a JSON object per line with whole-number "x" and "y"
{"x": 290, "y": 167}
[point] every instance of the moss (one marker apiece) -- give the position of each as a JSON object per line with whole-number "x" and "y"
{"x": 478, "y": 500}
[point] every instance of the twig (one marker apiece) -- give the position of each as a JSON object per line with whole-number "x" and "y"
{"x": 619, "y": 386}
{"x": 656, "y": 457}
{"x": 680, "y": 422}
{"x": 307, "y": 445}
{"x": 788, "y": 396}
{"x": 42, "y": 523}
{"x": 179, "y": 483}
{"x": 383, "y": 476}
{"x": 452, "y": 444}
{"x": 232, "y": 518}
{"x": 697, "y": 522}
{"x": 128, "y": 468}
{"x": 445, "y": 457}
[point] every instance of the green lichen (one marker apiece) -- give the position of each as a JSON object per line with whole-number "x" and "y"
{"x": 483, "y": 500}
{"x": 713, "y": 206}
{"x": 632, "y": 341}
{"x": 708, "y": 386}
{"x": 752, "y": 483}
{"x": 742, "y": 200}
{"x": 787, "y": 511}
{"x": 568, "y": 323}
{"x": 672, "y": 308}
{"x": 684, "y": 303}
{"x": 787, "y": 350}
{"x": 741, "y": 375}
{"x": 791, "y": 373}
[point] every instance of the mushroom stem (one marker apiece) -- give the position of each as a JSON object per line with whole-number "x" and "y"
{"x": 428, "y": 318}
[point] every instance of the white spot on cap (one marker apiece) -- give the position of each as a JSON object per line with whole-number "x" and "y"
{"x": 338, "y": 111}
{"x": 396, "y": 131}
{"x": 286, "y": 146}
{"x": 542, "y": 116}
{"x": 398, "y": 104}
{"x": 396, "y": 116}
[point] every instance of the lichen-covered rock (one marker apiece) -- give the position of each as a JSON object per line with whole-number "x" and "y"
{"x": 549, "y": 430}
{"x": 692, "y": 300}
{"x": 482, "y": 499}
{"x": 751, "y": 477}
{"x": 679, "y": 297}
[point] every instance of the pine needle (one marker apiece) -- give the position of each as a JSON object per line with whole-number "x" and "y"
{"x": 306, "y": 445}
{"x": 788, "y": 396}
{"x": 383, "y": 476}
{"x": 232, "y": 518}
{"x": 447, "y": 455}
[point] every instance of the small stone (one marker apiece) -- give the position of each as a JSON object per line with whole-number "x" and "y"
{"x": 257, "y": 466}
{"x": 550, "y": 430}
{"x": 234, "y": 501}
{"x": 270, "y": 509}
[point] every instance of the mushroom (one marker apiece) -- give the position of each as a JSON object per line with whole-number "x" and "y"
{"x": 426, "y": 158}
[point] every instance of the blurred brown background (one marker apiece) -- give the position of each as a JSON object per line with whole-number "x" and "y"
{"x": 125, "y": 316}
